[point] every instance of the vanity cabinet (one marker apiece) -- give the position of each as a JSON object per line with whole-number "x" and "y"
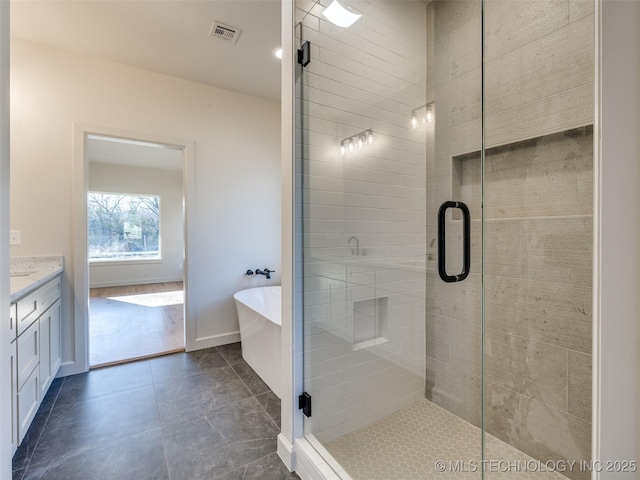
{"x": 36, "y": 353}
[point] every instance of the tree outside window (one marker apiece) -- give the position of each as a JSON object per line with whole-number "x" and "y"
{"x": 123, "y": 226}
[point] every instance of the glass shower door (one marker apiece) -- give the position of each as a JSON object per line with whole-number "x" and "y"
{"x": 538, "y": 230}
{"x": 445, "y": 185}
{"x": 387, "y": 109}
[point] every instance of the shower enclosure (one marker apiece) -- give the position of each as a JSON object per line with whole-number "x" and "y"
{"x": 444, "y": 169}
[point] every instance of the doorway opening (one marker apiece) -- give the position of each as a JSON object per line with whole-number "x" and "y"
{"x": 136, "y": 248}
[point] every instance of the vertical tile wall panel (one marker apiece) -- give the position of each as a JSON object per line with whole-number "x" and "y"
{"x": 538, "y": 210}
{"x": 364, "y": 304}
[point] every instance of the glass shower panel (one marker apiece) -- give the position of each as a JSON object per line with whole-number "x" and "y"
{"x": 538, "y": 195}
{"x": 387, "y": 109}
{"x": 445, "y": 190}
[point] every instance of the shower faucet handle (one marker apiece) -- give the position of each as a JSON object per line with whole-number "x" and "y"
{"x": 249, "y": 272}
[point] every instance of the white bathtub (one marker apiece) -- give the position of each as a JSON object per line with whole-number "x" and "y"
{"x": 259, "y": 314}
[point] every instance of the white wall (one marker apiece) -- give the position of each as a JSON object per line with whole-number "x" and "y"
{"x": 237, "y": 187}
{"x": 167, "y": 184}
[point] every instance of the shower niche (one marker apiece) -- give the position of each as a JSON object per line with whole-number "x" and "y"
{"x": 550, "y": 175}
{"x": 370, "y": 322}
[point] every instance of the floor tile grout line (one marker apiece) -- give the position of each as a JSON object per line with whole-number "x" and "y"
{"x": 162, "y": 429}
{"x": 53, "y": 404}
{"x": 241, "y": 380}
{"x": 236, "y": 373}
{"x": 155, "y": 397}
{"x": 269, "y": 415}
{"x": 105, "y": 396}
{"x": 221, "y": 406}
{"x": 278, "y": 428}
{"x": 247, "y": 387}
{"x": 246, "y": 465}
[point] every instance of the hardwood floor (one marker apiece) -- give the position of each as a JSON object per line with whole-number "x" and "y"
{"x": 135, "y": 321}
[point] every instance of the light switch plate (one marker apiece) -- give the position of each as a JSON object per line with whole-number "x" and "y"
{"x": 15, "y": 237}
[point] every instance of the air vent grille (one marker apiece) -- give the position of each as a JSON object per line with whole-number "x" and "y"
{"x": 224, "y": 31}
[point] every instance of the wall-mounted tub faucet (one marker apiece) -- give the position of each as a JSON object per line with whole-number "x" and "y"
{"x": 266, "y": 272}
{"x": 354, "y": 251}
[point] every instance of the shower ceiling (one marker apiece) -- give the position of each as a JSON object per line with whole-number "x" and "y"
{"x": 170, "y": 37}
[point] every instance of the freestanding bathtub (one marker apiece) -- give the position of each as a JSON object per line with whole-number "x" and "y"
{"x": 259, "y": 311}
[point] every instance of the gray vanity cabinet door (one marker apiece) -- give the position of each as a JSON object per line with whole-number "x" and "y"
{"x": 55, "y": 342}
{"x": 45, "y": 364}
{"x": 28, "y": 349}
{"x": 28, "y": 403}
{"x": 14, "y": 397}
{"x": 50, "y": 350}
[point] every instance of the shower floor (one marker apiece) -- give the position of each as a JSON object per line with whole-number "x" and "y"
{"x": 408, "y": 445}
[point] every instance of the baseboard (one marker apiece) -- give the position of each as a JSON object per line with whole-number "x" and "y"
{"x": 141, "y": 281}
{"x": 213, "y": 341}
{"x": 69, "y": 368}
{"x": 286, "y": 453}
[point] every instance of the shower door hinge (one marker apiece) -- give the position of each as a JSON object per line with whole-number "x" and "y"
{"x": 304, "y": 54}
{"x": 304, "y": 403}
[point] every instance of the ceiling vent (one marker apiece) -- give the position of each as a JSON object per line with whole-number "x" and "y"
{"x": 224, "y": 31}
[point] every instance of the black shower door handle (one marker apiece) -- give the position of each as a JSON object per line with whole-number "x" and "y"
{"x": 466, "y": 263}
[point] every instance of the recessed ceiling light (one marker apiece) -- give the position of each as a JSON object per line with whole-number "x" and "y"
{"x": 277, "y": 52}
{"x": 340, "y": 16}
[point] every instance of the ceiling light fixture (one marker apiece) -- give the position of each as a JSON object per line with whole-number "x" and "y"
{"x": 340, "y": 16}
{"x": 277, "y": 52}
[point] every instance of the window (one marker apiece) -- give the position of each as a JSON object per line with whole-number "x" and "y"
{"x": 123, "y": 227}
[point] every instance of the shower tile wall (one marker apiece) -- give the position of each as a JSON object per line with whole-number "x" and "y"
{"x": 364, "y": 298}
{"x": 538, "y": 209}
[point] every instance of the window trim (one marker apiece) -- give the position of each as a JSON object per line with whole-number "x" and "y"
{"x": 119, "y": 261}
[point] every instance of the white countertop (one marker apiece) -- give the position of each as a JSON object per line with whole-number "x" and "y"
{"x": 29, "y": 273}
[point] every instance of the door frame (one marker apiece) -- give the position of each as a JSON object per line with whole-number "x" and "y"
{"x": 5, "y": 338}
{"x": 80, "y": 252}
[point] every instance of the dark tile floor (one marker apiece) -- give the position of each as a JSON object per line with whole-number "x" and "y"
{"x": 187, "y": 416}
